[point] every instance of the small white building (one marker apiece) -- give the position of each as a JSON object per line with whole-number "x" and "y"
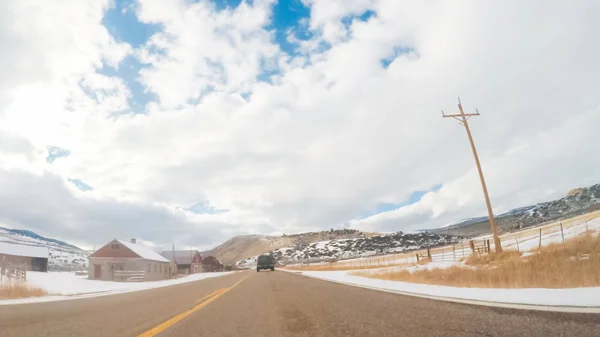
{"x": 122, "y": 260}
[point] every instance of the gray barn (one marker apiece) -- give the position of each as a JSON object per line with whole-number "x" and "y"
{"x": 32, "y": 258}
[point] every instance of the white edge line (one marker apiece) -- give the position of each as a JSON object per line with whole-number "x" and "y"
{"x": 570, "y": 309}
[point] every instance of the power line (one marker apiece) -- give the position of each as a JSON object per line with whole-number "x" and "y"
{"x": 463, "y": 118}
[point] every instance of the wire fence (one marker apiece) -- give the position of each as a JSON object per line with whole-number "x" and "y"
{"x": 10, "y": 271}
{"x": 129, "y": 275}
{"x": 522, "y": 241}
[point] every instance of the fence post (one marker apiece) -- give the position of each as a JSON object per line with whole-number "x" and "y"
{"x": 429, "y": 253}
{"x": 586, "y": 226}
{"x": 453, "y": 253}
{"x": 472, "y": 244}
{"x": 517, "y": 239}
{"x": 488, "y": 246}
{"x": 417, "y": 255}
{"x": 562, "y": 233}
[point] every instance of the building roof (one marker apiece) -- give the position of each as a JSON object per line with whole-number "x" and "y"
{"x": 180, "y": 256}
{"x": 23, "y": 250}
{"x": 143, "y": 251}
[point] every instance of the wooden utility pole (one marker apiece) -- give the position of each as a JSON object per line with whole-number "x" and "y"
{"x": 463, "y": 118}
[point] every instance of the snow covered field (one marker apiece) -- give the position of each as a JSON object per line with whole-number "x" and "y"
{"x": 575, "y": 297}
{"x": 66, "y": 285}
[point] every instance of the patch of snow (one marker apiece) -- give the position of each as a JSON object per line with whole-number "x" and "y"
{"x": 65, "y": 286}
{"x": 143, "y": 251}
{"x": 322, "y": 244}
{"x": 579, "y": 297}
{"x": 531, "y": 242}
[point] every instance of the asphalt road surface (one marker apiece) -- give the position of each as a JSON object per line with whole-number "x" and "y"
{"x": 279, "y": 304}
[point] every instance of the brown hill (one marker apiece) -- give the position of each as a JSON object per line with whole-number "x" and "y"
{"x": 245, "y": 246}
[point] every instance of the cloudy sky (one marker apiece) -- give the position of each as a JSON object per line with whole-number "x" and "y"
{"x": 193, "y": 121}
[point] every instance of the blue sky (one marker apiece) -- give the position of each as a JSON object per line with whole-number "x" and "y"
{"x": 205, "y": 208}
{"x": 55, "y": 152}
{"x": 412, "y": 199}
{"x": 122, "y": 23}
{"x": 288, "y": 17}
{"x": 298, "y": 154}
{"x": 81, "y": 185}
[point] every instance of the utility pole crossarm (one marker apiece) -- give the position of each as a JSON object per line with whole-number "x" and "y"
{"x": 459, "y": 115}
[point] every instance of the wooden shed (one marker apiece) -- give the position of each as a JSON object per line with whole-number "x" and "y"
{"x": 187, "y": 261}
{"x": 212, "y": 264}
{"x": 31, "y": 257}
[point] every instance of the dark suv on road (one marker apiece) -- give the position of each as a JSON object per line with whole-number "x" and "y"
{"x": 265, "y": 262}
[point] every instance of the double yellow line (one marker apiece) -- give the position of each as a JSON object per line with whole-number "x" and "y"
{"x": 204, "y": 301}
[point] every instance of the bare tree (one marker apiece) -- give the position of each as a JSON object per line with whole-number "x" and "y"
{"x": 301, "y": 244}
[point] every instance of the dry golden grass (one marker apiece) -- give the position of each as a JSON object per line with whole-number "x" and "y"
{"x": 20, "y": 290}
{"x": 476, "y": 259}
{"x": 573, "y": 264}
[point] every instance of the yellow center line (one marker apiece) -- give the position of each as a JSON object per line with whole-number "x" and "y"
{"x": 204, "y": 301}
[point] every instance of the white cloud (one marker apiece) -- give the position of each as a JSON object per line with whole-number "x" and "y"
{"x": 327, "y": 141}
{"x": 202, "y": 50}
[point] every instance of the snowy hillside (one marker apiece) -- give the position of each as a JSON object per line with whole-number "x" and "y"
{"x": 357, "y": 247}
{"x": 578, "y": 201}
{"x": 243, "y": 246}
{"x": 63, "y": 256}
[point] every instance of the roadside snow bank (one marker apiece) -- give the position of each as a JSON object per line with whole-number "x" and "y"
{"x": 574, "y": 297}
{"x": 67, "y": 285}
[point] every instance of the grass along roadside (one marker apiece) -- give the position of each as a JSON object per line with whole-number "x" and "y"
{"x": 576, "y": 263}
{"x": 12, "y": 290}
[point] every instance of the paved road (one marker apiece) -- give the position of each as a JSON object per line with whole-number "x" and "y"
{"x": 279, "y": 304}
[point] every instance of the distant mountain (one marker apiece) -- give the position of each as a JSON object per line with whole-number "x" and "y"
{"x": 244, "y": 246}
{"x": 465, "y": 222}
{"x": 355, "y": 247}
{"x": 469, "y": 221}
{"x": 517, "y": 211}
{"x": 33, "y": 235}
{"x": 63, "y": 256}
